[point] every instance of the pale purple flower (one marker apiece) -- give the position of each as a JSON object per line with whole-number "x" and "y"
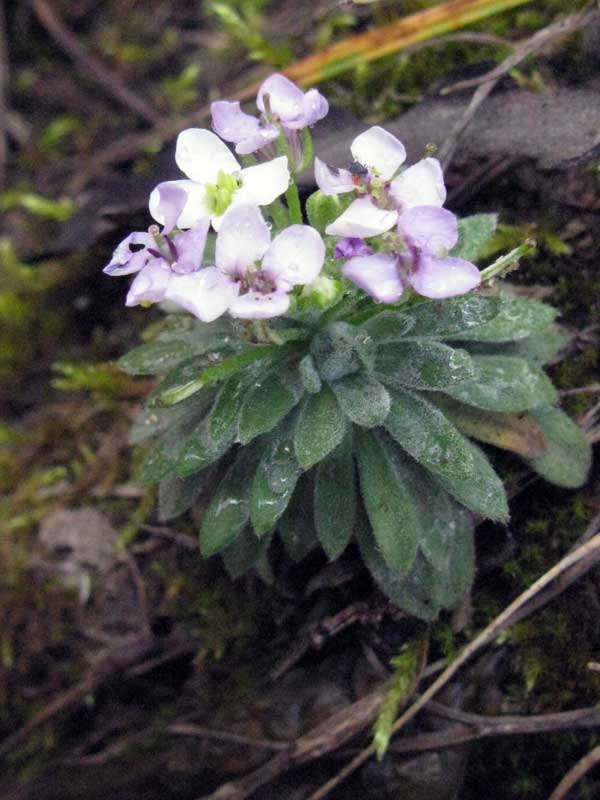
{"x": 419, "y": 258}
{"x": 169, "y": 269}
{"x": 215, "y": 182}
{"x": 265, "y": 271}
{"x": 382, "y": 194}
{"x": 350, "y": 247}
{"x": 282, "y": 105}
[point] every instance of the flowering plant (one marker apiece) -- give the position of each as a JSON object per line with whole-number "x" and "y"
{"x": 330, "y": 377}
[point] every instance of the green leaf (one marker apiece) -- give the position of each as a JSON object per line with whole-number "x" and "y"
{"x": 506, "y": 384}
{"x": 296, "y": 528}
{"x": 335, "y": 499}
{"x": 162, "y": 458}
{"x": 219, "y": 372}
{"x": 425, "y": 590}
{"x": 201, "y": 449}
{"x": 423, "y": 365}
{"x": 309, "y": 375}
{"x": 539, "y": 349}
{"x": 388, "y": 326}
{"x": 320, "y": 428}
{"x": 390, "y": 505}
{"x": 270, "y": 399}
{"x": 474, "y": 233}
{"x": 244, "y": 553}
{"x": 517, "y": 318}
{"x": 567, "y": 460}
{"x": 152, "y": 422}
{"x": 266, "y": 505}
{"x": 452, "y": 318}
{"x": 431, "y": 439}
{"x": 224, "y": 415}
{"x": 229, "y": 509}
{"x": 176, "y": 495}
{"x": 165, "y": 353}
{"x": 336, "y": 351}
{"x": 322, "y": 209}
{"x": 362, "y": 399}
{"x": 177, "y": 377}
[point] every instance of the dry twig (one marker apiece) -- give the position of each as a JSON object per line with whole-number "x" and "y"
{"x": 576, "y": 773}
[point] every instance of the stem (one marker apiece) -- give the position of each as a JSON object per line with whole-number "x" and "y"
{"x": 505, "y": 264}
{"x": 279, "y": 214}
{"x": 308, "y": 150}
{"x": 292, "y": 197}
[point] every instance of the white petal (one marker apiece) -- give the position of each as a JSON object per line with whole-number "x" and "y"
{"x": 295, "y": 256}
{"x": 195, "y": 209}
{"x": 255, "y": 305}
{"x": 439, "y": 278}
{"x": 243, "y": 239}
{"x": 377, "y": 275}
{"x": 206, "y": 293}
{"x": 263, "y": 183}
{"x": 378, "y": 151}
{"x": 332, "y": 181}
{"x": 150, "y": 283}
{"x": 420, "y": 185}
{"x": 201, "y": 155}
{"x": 362, "y": 218}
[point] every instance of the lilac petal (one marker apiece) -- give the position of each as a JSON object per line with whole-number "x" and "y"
{"x": 332, "y": 181}
{"x": 172, "y": 200}
{"x": 378, "y": 151}
{"x": 206, "y": 293}
{"x": 420, "y": 185}
{"x": 377, "y": 275}
{"x": 285, "y": 98}
{"x": 363, "y": 218}
{"x": 150, "y": 284}
{"x": 231, "y": 123}
{"x": 256, "y": 141}
{"x": 124, "y": 260}
{"x": 190, "y": 248}
{"x": 430, "y": 228}
{"x": 201, "y": 155}
{"x": 255, "y": 305}
{"x": 295, "y": 256}
{"x": 314, "y": 108}
{"x": 350, "y": 247}
{"x": 439, "y": 278}
{"x": 196, "y": 206}
{"x": 243, "y": 238}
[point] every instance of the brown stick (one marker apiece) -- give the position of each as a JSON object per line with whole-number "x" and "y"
{"x": 576, "y": 773}
{"x": 3, "y": 90}
{"x": 102, "y": 76}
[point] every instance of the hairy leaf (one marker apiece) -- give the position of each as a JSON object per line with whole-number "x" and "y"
{"x": 335, "y": 499}
{"x": 320, "y": 428}
{"x": 362, "y": 399}
{"x": 423, "y": 365}
{"x": 474, "y": 233}
{"x": 567, "y": 460}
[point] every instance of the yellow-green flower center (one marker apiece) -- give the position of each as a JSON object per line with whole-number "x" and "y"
{"x": 219, "y": 194}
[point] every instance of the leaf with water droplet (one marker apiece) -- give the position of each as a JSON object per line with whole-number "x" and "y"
{"x": 335, "y": 499}
{"x": 451, "y": 318}
{"x": 270, "y": 399}
{"x": 362, "y": 398}
{"x": 424, "y": 431}
{"x": 392, "y": 513}
{"x": 517, "y": 318}
{"x": 229, "y": 509}
{"x": 504, "y": 383}
{"x": 266, "y": 506}
{"x": 320, "y": 428}
{"x": 423, "y": 365}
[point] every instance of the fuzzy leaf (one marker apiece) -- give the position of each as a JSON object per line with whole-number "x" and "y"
{"x": 176, "y": 495}
{"x": 296, "y": 528}
{"x": 474, "y": 233}
{"x": 504, "y": 383}
{"x": 538, "y": 349}
{"x": 362, "y": 399}
{"x": 517, "y": 318}
{"x": 335, "y": 500}
{"x": 388, "y": 326}
{"x": 452, "y": 318}
{"x": 425, "y": 590}
{"x": 244, "y": 553}
{"x": 152, "y": 422}
{"x": 431, "y": 439}
{"x": 229, "y": 509}
{"x": 201, "y": 449}
{"x": 179, "y": 376}
{"x": 335, "y": 351}
{"x": 390, "y": 506}
{"x": 518, "y": 433}
{"x": 567, "y": 460}
{"x": 423, "y": 365}
{"x": 162, "y": 459}
{"x": 268, "y": 401}
{"x": 266, "y": 506}
{"x": 320, "y": 428}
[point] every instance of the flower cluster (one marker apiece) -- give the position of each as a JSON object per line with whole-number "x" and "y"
{"x": 393, "y": 234}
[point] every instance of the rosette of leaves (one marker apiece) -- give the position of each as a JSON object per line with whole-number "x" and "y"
{"x": 364, "y": 427}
